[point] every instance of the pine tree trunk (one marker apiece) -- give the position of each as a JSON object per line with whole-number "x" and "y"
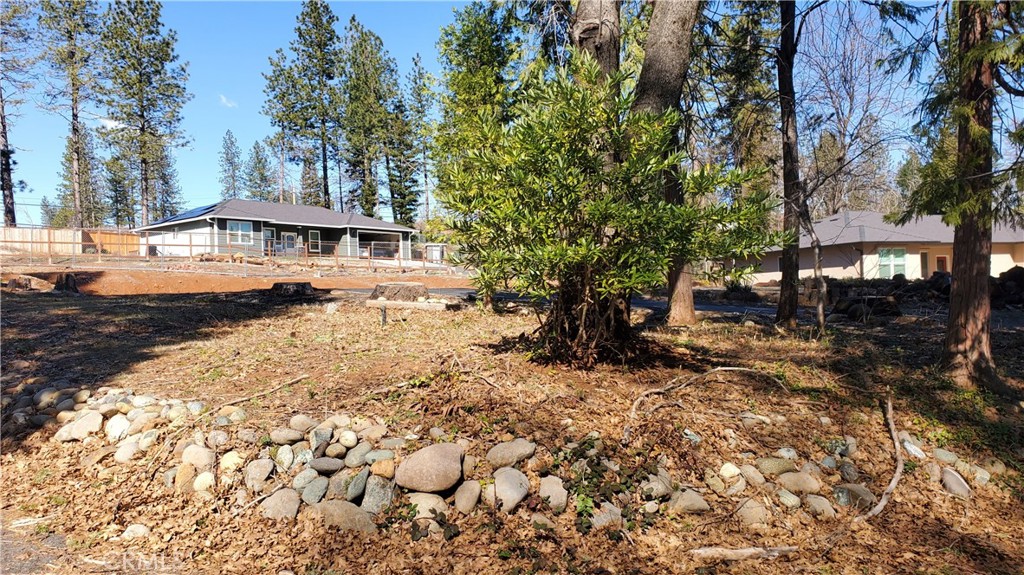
{"x": 667, "y": 54}
{"x": 6, "y": 177}
{"x": 786, "y": 314}
{"x": 968, "y": 348}
{"x": 341, "y": 186}
{"x": 76, "y": 154}
{"x": 323, "y": 166}
{"x": 144, "y": 187}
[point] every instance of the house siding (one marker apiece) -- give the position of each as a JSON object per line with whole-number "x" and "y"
{"x": 193, "y": 238}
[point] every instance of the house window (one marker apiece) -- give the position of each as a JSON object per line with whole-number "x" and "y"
{"x": 892, "y": 261}
{"x": 174, "y": 232}
{"x": 239, "y": 232}
{"x": 941, "y": 264}
{"x": 314, "y": 240}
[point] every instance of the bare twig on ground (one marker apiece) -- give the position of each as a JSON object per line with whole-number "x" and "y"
{"x": 239, "y": 511}
{"x": 254, "y": 396}
{"x": 725, "y": 554}
{"x": 882, "y": 501}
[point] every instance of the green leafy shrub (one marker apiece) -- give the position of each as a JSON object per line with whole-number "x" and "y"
{"x": 566, "y": 203}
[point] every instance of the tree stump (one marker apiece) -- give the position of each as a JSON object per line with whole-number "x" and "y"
{"x": 66, "y": 283}
{"x": 291, "y": 288}
{"x": 400, "y": 291}
{"x": 21, "y": 283}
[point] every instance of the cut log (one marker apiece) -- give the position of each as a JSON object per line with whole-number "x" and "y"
{"x": 20, "y": 283}
{"x": 66, "y": 283}
{"x": 400, "y": 291}
{"x": 292, "y": 288}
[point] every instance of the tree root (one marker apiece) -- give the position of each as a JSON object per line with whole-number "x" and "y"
{"x": 884, "y": 499}
{"x": 715, "y": 554}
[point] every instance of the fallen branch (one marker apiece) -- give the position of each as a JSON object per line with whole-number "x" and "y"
{"x": 899, "y": 466}
{"x": 674, "y": 384}
{"x": 725, "y": 554}
{"x": 255, "y": 396}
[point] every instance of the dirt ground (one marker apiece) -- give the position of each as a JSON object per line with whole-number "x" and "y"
{"x": 468, "y": 373}
{"x": 224, "y": 278}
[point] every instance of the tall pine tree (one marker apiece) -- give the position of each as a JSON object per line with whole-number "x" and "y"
{"x": 370, "y": 82}
{"x": 302, "y": 90}
{"x": 80, "y": 199}
{"x": 420, "y": 102}
{"x": 145, "y": 93}
{"x": 71, "y": 29}
{"x": 16, "y": 61}
{"x": 120, "y": 185}
{"x": 230, "y": 168}
{"x": 258, "y": 175}
{"x": 401, "y": 161}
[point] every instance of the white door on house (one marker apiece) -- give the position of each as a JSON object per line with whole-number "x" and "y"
{"x": 288, "y": 241}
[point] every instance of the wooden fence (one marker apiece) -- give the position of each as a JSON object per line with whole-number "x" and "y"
{"x": 62, "y": 241}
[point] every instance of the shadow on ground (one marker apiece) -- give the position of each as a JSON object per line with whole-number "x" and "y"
{"x": 77, "y": 341}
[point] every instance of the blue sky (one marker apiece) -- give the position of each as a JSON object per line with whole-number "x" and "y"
{"x": 227, "y": 45}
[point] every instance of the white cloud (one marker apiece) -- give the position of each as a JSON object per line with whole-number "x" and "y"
{"x": 227, "y": 102}
{"x": 110, "y": 124}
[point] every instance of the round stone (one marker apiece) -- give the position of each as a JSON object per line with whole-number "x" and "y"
{"x": 434, "y": 468}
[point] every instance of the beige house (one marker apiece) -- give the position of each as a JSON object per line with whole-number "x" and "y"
{"x": 860, "y": 244}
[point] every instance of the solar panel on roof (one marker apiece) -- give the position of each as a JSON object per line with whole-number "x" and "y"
{"x": 193, "y": 213}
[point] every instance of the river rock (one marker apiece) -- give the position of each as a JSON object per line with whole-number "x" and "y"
{"x": 554, "y": 493}
{"x": 775, "y": 465}
{"x": 319, "y": 440}
{"x": 688, "y": 501}
{"x": 378, "y": 495}
{"x": 116, "y": 428}
{"x": 327, "y": 465}
{"x": 356, "y": 457}
{"x": 126, "y": 452}
{"x": 994, "y": 466}
{"x": 787, "y": 453}
{"x": 799, "y": 482}
{"x": 848, "y": 472}
{"x": 431, "y": 469}
{"x": 284, "y": 457}
{"x": 787, "y": 499}
{"x": 85, "y": 425}
{"x": 201, "y": 457}
{"x": 467, "y": 496}
{"x": 427, "y": 504}
{"x": 752, "y": 513}
{"x": 304, "y": 478}
{"x": 820, "y": 507}
{"x": 373, "y": 434}
{"x": 357, "y": 485}
{"x": 283, "y": 504}
{"x": 511, "y": 452}
{"x": 135, "y": 531}
{"x": 944, "y": 456}
{"x": 285, "y": 436}
{"x": 346, "y": 438}
{"x": 335, "y": 450}
{"x": 729, "y": 470}
{"x": 231, "y": 461}
{"x": 344, "y": 516}
{"x": 657, "y": 486}
{"x": 853, "y": 495}
{"x": 752, "y": 475}
{"x": 204, "y": 481}
{"x": 510, "y": 487}
{"x": 607, "y": 516}
{"x": 315, "y": 490}
{"x": 302, "y": 423}
{"x": 256, "y": 474}
{"x": 955, "y": 484}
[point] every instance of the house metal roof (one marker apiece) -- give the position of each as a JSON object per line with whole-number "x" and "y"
{"x": 273, "y": 212}
{"x": 854, "y": 227}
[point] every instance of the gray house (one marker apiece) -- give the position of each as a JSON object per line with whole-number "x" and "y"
{"x": 862, "y": 244}
{"x": 273, "y": 229}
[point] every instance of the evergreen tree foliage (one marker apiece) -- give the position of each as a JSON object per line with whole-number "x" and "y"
{"x": 401, "y": 162}
{"x": 421, "y": 102}
{"x": 167, "y": 198}
{"x": 310, "y": 182}
{"x": 47, "y": 212}
{"x": 303, "y": 98}
{"x": 370, "y": 82}
{"x": 71, "y": 29}
{"x": 145, "y": 92}
{"x": 476, "y": 53}
{"x": 231, "y": 179}
{"x": 258, "y": 175}
{"x": 17, "y": 58}
{"x": 120, "y": 185}
{"x": 537, "y": 205}
{"x": 91, "y": 206}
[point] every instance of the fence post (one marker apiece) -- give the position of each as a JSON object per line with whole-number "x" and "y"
{"x": 190, "y": 247}
{"x": 147, "y": 246}
{"x": 49, "y": 246}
